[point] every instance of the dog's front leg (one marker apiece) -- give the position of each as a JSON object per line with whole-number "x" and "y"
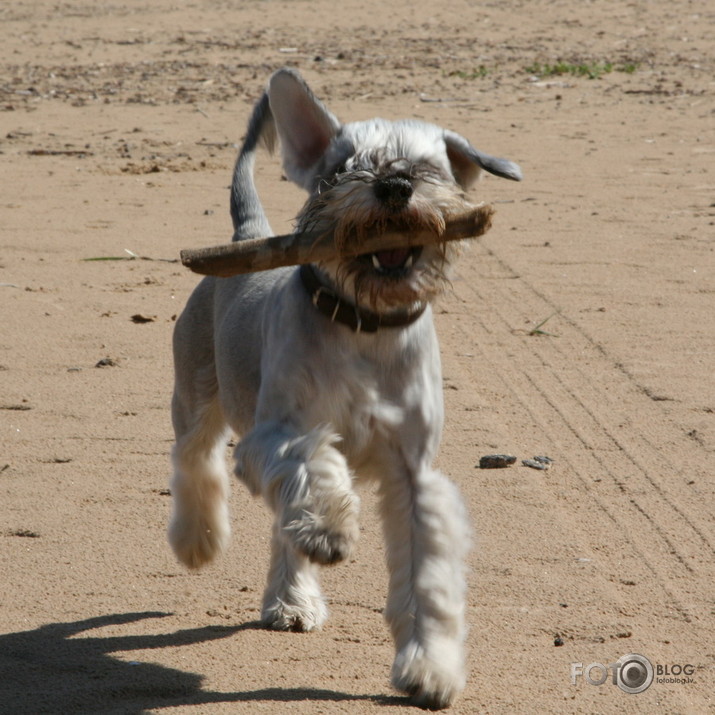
{"x": 427, "y": 537}
{"x": 306, "y": 482}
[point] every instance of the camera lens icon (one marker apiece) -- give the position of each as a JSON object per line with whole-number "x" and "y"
{"x": 635, "y": 673}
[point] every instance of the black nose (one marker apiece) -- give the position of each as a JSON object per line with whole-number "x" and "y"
{"x": 393, "y": 191}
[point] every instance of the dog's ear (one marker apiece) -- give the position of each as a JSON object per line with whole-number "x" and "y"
{"x": 467, "y": 161}
{"x": 305, "y": 127}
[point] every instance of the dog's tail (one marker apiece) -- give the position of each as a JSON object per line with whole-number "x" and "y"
{"x": 249, "y": 218}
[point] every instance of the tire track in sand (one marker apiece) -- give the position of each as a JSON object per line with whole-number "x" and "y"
{"x": 583, "y": 402}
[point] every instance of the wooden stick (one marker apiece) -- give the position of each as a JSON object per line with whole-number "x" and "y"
{"x": 262, "y": 254}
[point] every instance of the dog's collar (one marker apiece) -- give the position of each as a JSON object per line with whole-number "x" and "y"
{"x": 359, "y": 320}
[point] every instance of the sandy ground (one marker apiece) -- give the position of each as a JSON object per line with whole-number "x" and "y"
{"x": 118, "y": 130}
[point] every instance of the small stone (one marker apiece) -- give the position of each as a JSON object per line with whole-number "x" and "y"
{"x": 106, "y": 362}
{"x": 496, "y": 461}
{"x": 542, "y": 463}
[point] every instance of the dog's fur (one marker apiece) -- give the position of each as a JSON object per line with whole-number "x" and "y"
{"x": 316, "y": 402}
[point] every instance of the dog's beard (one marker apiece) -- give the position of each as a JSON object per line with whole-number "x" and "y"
{"x": 347, "y": 209}
{"x": 381, "y": 290}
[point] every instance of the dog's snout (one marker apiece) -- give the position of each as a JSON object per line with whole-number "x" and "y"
{"x": 393, "y": 191}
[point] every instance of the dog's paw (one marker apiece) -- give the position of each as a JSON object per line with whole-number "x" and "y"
{"x": 325, "y": 538}
{"x": 281, "y": 616}
{"x": 197, "y": 542}
{"x": 431, "y": 684}
{"x": 322, "y": 546}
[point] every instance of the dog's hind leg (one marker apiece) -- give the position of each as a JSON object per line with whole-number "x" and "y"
{"x": 292, "y": 600}
{"x": 199, "y": 529}
{"x": 427, "y": 536}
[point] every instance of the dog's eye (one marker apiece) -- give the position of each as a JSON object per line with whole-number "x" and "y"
{"x": 334, "y": 174}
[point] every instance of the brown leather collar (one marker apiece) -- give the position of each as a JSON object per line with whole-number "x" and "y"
{"x": 359, "y": 320}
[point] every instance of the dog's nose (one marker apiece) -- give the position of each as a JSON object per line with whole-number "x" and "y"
{"x": 393, "y": 191}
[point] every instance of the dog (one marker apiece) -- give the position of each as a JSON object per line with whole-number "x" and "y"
{"x": 331, "y": 372}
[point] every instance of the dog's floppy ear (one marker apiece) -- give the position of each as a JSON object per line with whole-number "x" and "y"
{"x": 467, "y": 161}
{"x": 305, "y": 127}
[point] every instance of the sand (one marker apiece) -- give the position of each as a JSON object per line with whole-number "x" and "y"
{"x": 580, "y": 327}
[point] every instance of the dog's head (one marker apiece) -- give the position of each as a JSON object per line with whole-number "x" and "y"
{"x": 376, "y": 174}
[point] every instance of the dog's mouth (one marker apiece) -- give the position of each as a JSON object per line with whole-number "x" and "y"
{"x": 393, "y": 263}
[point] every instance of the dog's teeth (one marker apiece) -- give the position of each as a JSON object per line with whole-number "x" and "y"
{"x": 376, "y": 262}
{"x": 409, "y": 261}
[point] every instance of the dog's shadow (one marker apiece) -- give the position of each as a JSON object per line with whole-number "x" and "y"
{"x": 48, "y": 670}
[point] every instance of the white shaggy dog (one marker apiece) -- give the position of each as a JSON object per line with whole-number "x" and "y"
{"x": 330, "y": 372}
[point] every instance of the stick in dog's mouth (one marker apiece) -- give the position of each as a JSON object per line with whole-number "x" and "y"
{"x": 263, "y": 254}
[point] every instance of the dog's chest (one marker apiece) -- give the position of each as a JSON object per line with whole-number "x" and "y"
{"x": 374, "y": 401}
{"x": 358, "y": 405}
{"x": 374, "y": 391}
